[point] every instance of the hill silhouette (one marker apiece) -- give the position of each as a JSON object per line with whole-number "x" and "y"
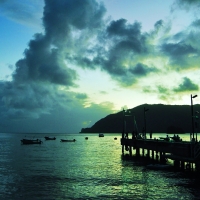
{"x": 159, "y": 119}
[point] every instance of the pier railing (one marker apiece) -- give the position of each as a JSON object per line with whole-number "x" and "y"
{"x": 182, "y": 150}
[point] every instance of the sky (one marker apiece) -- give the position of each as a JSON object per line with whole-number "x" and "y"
{"x": 66, "y": 64}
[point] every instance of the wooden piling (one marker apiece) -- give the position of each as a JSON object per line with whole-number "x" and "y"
{"x": 182, "y": 165}
{"x": 130, "y": 150}
{"x": 153, "y": 154}
{"x": 180, "y": 152}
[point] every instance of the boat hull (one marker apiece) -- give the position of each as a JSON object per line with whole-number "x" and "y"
{"x": 63, "y": 140}
{"x": 101, "y": 135}
{"x": 26, "y": 141}
{"x": 49, "y": 138}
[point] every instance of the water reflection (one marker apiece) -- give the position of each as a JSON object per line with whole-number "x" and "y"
{"x": 86, "y": 169}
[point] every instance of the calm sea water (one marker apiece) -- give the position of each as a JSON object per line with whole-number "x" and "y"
{"x": 85, "y": 169}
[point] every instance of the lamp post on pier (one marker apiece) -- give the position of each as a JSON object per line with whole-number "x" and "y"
{"x": 192, "y": 112}
{"x": 196, "y": 122}
{"x": 145, "y": 110}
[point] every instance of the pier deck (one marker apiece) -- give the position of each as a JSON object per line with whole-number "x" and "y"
{"x": 180, "y": 152}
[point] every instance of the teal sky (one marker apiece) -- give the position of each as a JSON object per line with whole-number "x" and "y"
{"x": 66, "y": 64}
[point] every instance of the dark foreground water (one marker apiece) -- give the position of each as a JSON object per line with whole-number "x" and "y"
{"x": 86, "y": 169}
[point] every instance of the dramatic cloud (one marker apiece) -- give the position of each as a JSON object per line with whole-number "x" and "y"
{"x": 77, "y": 36}
{"x": 125, "y": 46}
{"x": 118, "y": 47}
{"x": 179, "y": 53}
{"x": 187, "y": 85}
{"x": 42, "y": 78}
{"x": 142, "y": 70}
{"x": 61, "y": 18}
{"x": 182, "y": 49}
{"x": 186, "y": 4}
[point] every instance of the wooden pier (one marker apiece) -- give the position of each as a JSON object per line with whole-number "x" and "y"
{"x": 184, "y": 154}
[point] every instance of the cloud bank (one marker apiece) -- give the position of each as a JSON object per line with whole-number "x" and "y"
{"x": 76, "y": 33}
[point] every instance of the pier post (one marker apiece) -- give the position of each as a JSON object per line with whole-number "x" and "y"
{"x": 130, "y": 150}
{"x": 177, "y": 164}
{"x": 148, "y": 153}
{"x": 161, "y": 158}
{"x": 137, "y": 151}
{"x": 122, "y": 149}
{"x": 143, "y": 152}
{"x": 153, "y": 154}
{"x": 182, "y": 165}
{"x": 157, "y": 156}
{"x": 197, "y": 166}
{"x": 188, "y": 166}
{"x": 122, "y": 141}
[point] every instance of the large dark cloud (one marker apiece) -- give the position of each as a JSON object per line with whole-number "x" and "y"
{"x": 40, "y": 82}
{"x": 187, "y": 4}
{"x": 179, "y": 53}
{"x": 126, "y": 43}
{"x": 67, "y": 116}
{"x": 142, "y": 70}
{"x": 76, "y": 34}
{"x": 41, "y": 63}
{"x": 62, "y": 17}
{"x": 187, "y": 85}
{"x": 182, "y": 49}
{"x": 196, "y": 23}
{"x": 118, "y": 47}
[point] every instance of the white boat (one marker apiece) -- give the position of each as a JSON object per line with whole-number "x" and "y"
{"x": 101, "y": 135}
{"x": 158, "y": 166}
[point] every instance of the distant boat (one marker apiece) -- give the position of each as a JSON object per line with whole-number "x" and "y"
{"x": 49, "y": 138}
{"x": 29, "y": 141}
{"x": 101, "y": 135}
{"x": 63, "y": 140}
{"x": 158, "y": 166}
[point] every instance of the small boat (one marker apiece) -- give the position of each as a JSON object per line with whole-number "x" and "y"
{"x": 86, "y": 138}
{"x": 49, "y": 138}
{"x": 101, "y": 135}
{"x": 63, "y": 140}
{"x": 29, "y": 141}
{"x": 158, "y": 166}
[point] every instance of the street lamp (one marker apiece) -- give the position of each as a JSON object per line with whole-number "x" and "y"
{"x": 125, "y": 114}
{"x": 145, "y": 110}
{"x": 196, "y": 122}
{"x": 192, "y": 97}
{"x": 123, "y": 123}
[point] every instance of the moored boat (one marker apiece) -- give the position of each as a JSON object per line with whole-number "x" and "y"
{"x": 49, "y": 138}
{"x": 63, "y": 140}
{"x": 29, "y": 141}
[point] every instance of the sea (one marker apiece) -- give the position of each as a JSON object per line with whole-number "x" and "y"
{"x": 85, "y": 169}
